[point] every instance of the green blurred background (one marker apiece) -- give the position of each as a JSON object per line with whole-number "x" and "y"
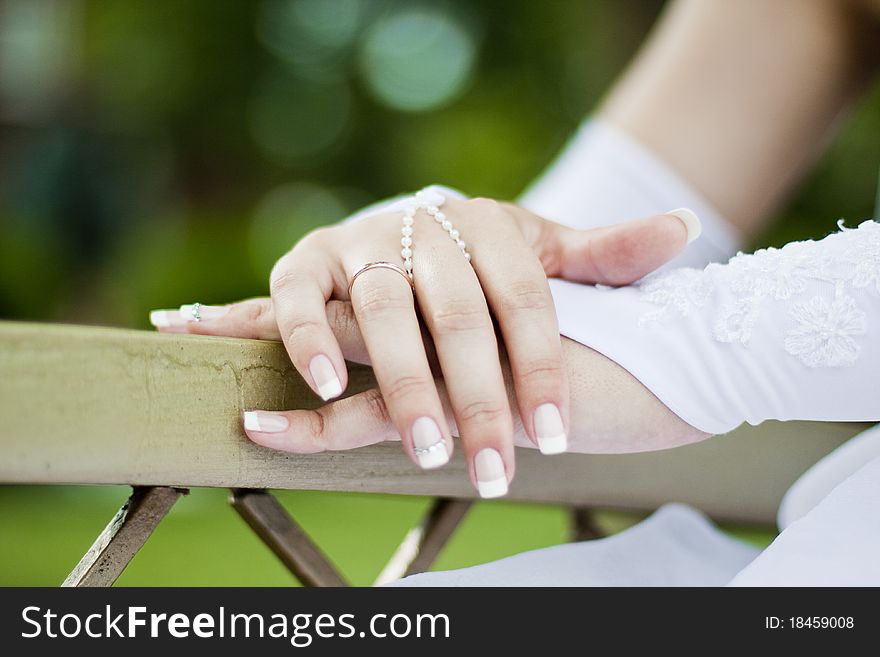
{"x": 156, "y": 153}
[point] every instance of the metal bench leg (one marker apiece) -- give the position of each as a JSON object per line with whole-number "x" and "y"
{"x": 583, "y": 524}
{"x": 126, "y": 533}
{"x": 422, "y": 544}
{"x": 265, "y": 515}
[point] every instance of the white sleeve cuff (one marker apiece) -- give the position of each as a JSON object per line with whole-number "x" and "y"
{"x": 603, "y": 177}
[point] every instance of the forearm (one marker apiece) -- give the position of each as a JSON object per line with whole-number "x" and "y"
{"x": 740, "y": 97}
{"x": 613, "y": 412}
{"x": 780, "y": 334}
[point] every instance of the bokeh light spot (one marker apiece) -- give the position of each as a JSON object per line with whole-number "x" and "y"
{"x": 284, "y": 215}
{"x": 293, "y": 118}
{"x": 417, "y": 59}
{"x": 311, "y": 35}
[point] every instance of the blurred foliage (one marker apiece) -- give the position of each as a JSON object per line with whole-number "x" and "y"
{"x": 154, "y": 153}
{"x": 149, "y": 147}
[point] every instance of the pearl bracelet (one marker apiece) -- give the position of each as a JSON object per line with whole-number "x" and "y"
{"x": 430, "y": 201}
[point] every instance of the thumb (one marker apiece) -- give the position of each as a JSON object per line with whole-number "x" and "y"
{"x": 619, "y": 254}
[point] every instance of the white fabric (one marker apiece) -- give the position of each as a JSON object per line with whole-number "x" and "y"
{"x": 835, "y": 544}
{"x": 605, "y": 177}
{"x": 676, "y": 546}
{"x": 817, "y": 482}
{"x": 780, "y": 334}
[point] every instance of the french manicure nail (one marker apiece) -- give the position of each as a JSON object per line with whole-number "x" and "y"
{"x": 428, "y": 443}
{"x": 691, "y": 222}
{"x": 549, "y": 430}
{"x": 265, "y": 422}
{"x": 204, "y": 312}
{"x": 325, "y": 378}
{"x": 166, "y": 318}
{"x": 491, "y": 477}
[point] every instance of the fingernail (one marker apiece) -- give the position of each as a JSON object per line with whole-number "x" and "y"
{"x": 549, "y": 430}
{"x": 166, "y": 318}
{"x": 325, "y": 378}
{"x": 205, "y": 312}
{"x": 691, "y": 222}
{"x": 265, "y": 422}
{"x": 491, "y": 477}
{"x": 430, "y": 447}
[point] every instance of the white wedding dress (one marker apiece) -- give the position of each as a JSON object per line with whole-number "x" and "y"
{"x": 778, "y": 334}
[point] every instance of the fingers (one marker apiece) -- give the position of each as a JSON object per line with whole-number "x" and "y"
{"x": 621, "y": 254}
{"x": 384, "y": 307}
{"x": 516, "y": 288}
{"x": 611, "y": 255}
{"x": 349, "y": 423}
{"x": 457, "y": 316}
{"x": 254, "y": 319}
{"x": 355, "y": 421}
{"x": 301, "y": 284}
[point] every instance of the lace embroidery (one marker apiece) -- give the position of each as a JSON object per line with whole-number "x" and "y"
{"x": 823, "y": 331}
{"x": 866, "y": 259}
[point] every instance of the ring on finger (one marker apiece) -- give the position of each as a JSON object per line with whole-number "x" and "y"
{"x": 379, "y": 264}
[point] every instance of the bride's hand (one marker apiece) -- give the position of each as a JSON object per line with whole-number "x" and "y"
{"x": 513, "y": 253}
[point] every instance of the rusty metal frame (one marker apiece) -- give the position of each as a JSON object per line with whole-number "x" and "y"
{"x": 423, "y": 543}
{"x": 123, "y": 536}
{"x": 278, "y": 530}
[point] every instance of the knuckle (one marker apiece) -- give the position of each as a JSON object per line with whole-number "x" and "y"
{"x": 406, "y": 386}
{"x": 541, "y": 370}
{"x": 525, "y": 296}
{"x": 302, "y": 326}
{"x": 316, "y": 238}
{"x": 481, "y": 412}
{"x": 317, "y": 425}
{"x": 376, "y": 408}
{"x": 460, "y": 316}
{"x": 380, "y": 301}
{"x": 489, "y": 210}
{"x": 254, "y": 312}
{"x": 284, "y": 278}
{"x": 341, "y": 317}
{"x": 484, "y": 205}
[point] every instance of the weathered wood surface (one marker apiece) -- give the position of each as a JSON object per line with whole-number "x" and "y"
{"x": 123, "y": 536}
{"x": 88, "y": 405}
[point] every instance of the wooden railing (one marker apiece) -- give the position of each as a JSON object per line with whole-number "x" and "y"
{"x": 85, "y": 405}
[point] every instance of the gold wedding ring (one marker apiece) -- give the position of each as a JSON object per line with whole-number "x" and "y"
{"x": 381, "y": 264}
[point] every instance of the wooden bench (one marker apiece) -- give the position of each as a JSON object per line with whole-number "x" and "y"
{"x": 161, "y": 413}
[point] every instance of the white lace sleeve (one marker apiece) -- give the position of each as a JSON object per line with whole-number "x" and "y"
{"x": 787, "y": 333}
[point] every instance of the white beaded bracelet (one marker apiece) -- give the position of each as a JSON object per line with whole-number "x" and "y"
{"x": 429, "y": 200}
